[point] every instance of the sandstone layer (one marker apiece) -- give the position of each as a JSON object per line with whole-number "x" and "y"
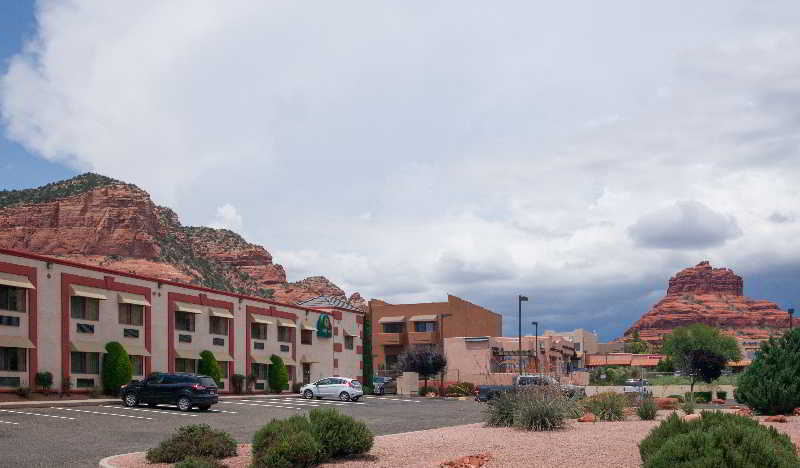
{"x": 713, "y": 296}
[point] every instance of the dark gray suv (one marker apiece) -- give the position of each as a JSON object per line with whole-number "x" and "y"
{"x": 183, "y": 390}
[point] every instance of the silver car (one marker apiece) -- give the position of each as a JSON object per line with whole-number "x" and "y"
{"x": 333, "y": 387}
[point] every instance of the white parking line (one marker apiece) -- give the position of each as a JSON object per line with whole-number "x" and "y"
{"x": 392, "y": 399}
{"x": 221, "y": 411}
{"x": 309, "y": 402}
{"x": 299, "y": 408}
{"x": 104, "y": 414}
{"x": 175, "y": 413}
{"x": 35, "y": 414}
{"x": 8, "y": 422}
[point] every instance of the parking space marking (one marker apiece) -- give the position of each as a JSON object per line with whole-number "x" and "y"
{"x": 221, "y": 411}
{"x": 161, "y": 412}
{"x": 104, "y": 414}
{"x": 299, "y": 408}
{"x": 35, "y": 414}
{"x": 322, "y": 402}
{"x": 392, "y": 399}
{"x": 9, "y": 422}
{"x": 308, "y": 402}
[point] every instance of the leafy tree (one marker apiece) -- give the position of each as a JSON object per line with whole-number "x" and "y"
{"x": 636, "y": 345}
{"x": 277, "y": 374}
{"x": 117, "y": 368}
{"x": 665, "y": 365}
{"x": 209, "y": 366}
{"x": 700, "y": 351}
{"x": 367, "y": 352}
{"x": 425, "y": 363}
{"x": 771, "y": 384}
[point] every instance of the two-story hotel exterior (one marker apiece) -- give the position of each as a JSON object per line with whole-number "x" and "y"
{"x": 57, "y": 316}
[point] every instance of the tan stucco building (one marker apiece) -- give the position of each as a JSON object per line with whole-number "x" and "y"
{"x": 400, "y": 327}
{"x": 585, "y": 342}
{"x": 57, "y": 316}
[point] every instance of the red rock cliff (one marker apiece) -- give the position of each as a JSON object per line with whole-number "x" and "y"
{"x": 702, "y": 294}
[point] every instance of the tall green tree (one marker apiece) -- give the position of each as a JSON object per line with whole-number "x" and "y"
{"x": 425, "y": 363}
{"x": 117, "y": 368}
{"x": 367, "y": 349}
{"x": 700, "y": 351}
{"x": 771, "y": 384}
{"x": 277, "y": 374}
{"x": 209, "y": 366}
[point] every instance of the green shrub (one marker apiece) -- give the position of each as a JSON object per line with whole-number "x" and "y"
{"x": 250, "y": 380}
{"x": 24, "y": 392}
{"x": 199, "y": 462}
{"x": 339, "y": 434}
{"x": 722, "y": 395}
{"x": 270, "y": 434}
{"x": 716, "y": 440}
{"x": 770, "y": 385}
{"x": 460, "y": 389}
{"x": 198, "y": 440}
{"x": 647, "y": 408}
{"x": 237, "y": 383}
{"x": 293, "y": 450}
{"x": 278, "y": 374}
{"x": 607, "y": 406}
{"x": 542, "y": 408}
{"x": 117, "y": 368}
{"x": 44, "y": 380}
{"x": 209, "y": 366}
{"x": 678, "y": 397}
{"x": 500, "y": 409}
{"x": 700, "y": 397}
{"x": 688, "y": 407}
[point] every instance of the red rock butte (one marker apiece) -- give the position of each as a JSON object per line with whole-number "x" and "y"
{"x": 713, "y": 296}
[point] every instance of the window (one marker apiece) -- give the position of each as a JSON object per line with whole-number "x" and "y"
{"x": 258, "y": 345}
{"x": 9, "y": 320}
{"x": 258, "y": 331}
{"x": 84, "y": 383}
{"x": 578, "y": 347}
{"x": 130, "y": 333}
{"x": 13, "y": 359}
{"x": 138, "y": 364}
{"x": 424, "y": 327}
{"x": 184, "y": 321}
{"x": 218, "y": 341}
{"x": 259, "y": 371}
{"x": 85, "y": 363}
{"x": 218, "y": 325}
{"x": 85, "y": 308}
{"x": 284, "y": 334}
{"x": 397, "y": 327}
{"x": 185, "y": 365}
{"x": 305, "y": 336}
{"x": 85, "y": 328}
{"x": 13, "y": 298}
{"x": 349, "y": 342}
{"x": 12, "y": 382}
{"x": 259, "y": 385}
{"x": 184, "y": 338}
{"x": 131, "y": 314}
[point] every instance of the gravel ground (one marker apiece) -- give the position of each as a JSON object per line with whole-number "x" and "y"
{"x": 580, "y": 445}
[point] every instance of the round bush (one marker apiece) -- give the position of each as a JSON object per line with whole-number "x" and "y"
{"x": 199, "y": 462}
{"x": 716, "y": 439}
{"x": 607, "y": 406}
{"x": 198, "y": 440}
{"x": 275, "y": 430}
{"x": 647, "y": 408}
{"x": 117, "y": 368}
{"x": 542, "y": 409}
{"x": 339, "y": 434}
{"x": 770, "y": 384}
{"x": 293, "y": 450}
{"x": 500, "y": 409}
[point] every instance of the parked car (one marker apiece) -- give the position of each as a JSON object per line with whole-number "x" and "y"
{"x": 487, "y": 392}
{"x": 383, "y": 385}
{"x": 637, "y": 386}
{"x": 184, "y": 390}
{"x": 338, "y": 387}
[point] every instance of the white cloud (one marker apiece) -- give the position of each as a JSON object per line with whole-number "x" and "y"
{"x": 227, "y": 218}
{"x": 488, "y": 151}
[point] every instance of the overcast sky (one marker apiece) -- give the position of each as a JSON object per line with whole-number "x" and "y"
{"x": 579, "y": 153}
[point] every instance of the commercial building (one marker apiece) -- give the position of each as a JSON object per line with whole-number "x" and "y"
{"x": 57, "y": 316}
{"x": 400, "y": 327}
{"x": 584, "y": 340}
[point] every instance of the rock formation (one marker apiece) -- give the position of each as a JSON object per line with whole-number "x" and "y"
{"x": 100, "y": 221}
{"x": 702, "y": 294}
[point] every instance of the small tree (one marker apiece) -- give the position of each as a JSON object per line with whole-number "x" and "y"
{"x": 771, "y": 385}
{"x": 426, "y": 363}
{"x": 367, "y": 352}
{"x": 117, "y": 368}
{"x": 278, "y": 374}
{"x": 636, "y": 345}
{"x": 44, "y": 380}
{"x": 665, "y": 365}
{"x": 209, "y": 366}
{"x": 700, "y": 351}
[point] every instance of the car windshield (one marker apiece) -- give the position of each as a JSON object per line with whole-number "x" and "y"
{"x": 207, "y": 382}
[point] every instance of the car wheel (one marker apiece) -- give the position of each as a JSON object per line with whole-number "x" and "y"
{"x": 308, "y": 394}
{"x": 131, "y": 400}
{"x": 184, "y": 404}
{"x": 204, "y": 407}
{"x": 344, "y": 396}
{"x": 355, "y": 398}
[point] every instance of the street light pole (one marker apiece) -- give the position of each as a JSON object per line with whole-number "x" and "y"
{"x": 519, "y": 323}
{"x": 536, "y": 346}
{"x": 791, "y": 312}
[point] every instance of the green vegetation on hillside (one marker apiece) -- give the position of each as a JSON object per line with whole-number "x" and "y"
{"x": 57, "y": 190}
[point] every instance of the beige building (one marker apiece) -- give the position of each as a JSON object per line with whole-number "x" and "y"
{"x": 585, "y": 342}
{"x": 399, "y": 327}
{"x": 57, "y": 316}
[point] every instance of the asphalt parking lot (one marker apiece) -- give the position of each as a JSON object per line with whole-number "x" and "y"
{"x": 81, "y": 436}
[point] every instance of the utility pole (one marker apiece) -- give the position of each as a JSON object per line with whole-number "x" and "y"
{"x": 519, "y": 335}
{"x": 791, "y": 312}
{"x": 536, "y": 346}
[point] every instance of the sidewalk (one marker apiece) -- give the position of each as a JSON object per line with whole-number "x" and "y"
{"x": 112, "y": 401}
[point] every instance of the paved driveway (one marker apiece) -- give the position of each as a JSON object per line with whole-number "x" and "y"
{"x": 81, "y": 436}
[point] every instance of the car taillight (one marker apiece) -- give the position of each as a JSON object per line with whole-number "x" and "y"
{"x": 352, "y": 384}
{"x": 198, "y": 387}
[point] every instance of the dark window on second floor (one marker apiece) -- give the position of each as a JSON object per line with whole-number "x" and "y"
{"x": 258, "y": 345}
{"x": 184, "y": 338}
{"x": 284, "y": 334}
{"x": 349, "y": 341}
{"x": 305, "y": 337}
{"x": 218, "y": 341}
{"x": 9, "y": 321}
{"x": 258, "y": 331}
{"x": 130, "y": 333}
{"x": 85, "y": 328}
{"x": 218, "y": 325}
{"x": 84, "y": 308}
{"x": 421, "y": 327}
{"x": 131, "y": 314}
{"x": 394, "y": 327}
{"x": 184, "y": 321}
{"x": 12, "y": 298}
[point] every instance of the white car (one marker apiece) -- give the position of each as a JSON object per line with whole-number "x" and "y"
{"x": 637, "y": 386}
{"x": 333, "y": 387}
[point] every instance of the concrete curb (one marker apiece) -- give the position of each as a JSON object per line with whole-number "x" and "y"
{"x": 106, "y": 462}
